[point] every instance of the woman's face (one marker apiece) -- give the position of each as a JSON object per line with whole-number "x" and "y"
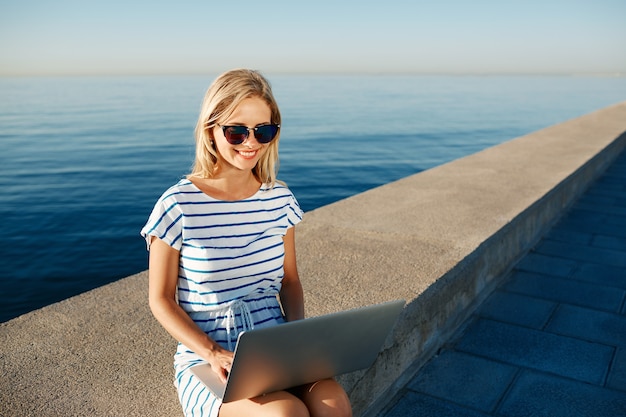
{"x": 251, "y": 112}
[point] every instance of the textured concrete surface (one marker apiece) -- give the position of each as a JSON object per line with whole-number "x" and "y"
{"x": 440, "y": 239}
{"x": 98, "y": 354}
{"x": 551, "y": 340}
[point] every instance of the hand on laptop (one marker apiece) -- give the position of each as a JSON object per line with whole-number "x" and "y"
{"x": 221, "y": 363}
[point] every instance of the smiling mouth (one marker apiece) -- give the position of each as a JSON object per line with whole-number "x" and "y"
{"x": 247, "y": 154}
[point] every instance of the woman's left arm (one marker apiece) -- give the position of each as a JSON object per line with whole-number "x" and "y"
{"x": 291, "y": 294}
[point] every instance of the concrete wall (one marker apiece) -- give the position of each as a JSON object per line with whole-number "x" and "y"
{"x": 440, "y": 239}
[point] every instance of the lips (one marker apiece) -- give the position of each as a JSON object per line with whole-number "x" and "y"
{"x": 247, "y": 154}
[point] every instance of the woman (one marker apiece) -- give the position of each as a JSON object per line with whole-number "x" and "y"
{"x": 222, "y": 251}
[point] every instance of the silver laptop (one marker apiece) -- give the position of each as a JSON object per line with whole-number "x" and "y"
{"x": 304, "y": 351}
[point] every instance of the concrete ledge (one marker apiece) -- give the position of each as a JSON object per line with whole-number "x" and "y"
{"x": 439, "y": 239}
{"x": 442, "y": 238}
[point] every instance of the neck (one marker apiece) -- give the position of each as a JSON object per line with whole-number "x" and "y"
{"x": 233, "y": 179}
{"x": 234, "y": 185}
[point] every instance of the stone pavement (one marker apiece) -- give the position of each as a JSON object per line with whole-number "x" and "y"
{"x": 551, "y": 339}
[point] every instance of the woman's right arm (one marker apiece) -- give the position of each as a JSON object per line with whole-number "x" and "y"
{"x": 163, "y": 279}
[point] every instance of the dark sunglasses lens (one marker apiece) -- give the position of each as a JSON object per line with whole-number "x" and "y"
{"x": 265, "y": 134}
{"x": 236, "y": 134}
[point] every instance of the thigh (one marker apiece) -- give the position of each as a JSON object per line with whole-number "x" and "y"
{"x": 276, "y": 404}
{"x": 324, "y": 398}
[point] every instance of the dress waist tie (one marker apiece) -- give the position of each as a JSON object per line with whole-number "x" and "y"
{"x": 238, "y": 306}
{"x": 231, "y": 310}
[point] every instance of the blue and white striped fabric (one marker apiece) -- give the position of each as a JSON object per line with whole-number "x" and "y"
{"x": 231, "y": 268}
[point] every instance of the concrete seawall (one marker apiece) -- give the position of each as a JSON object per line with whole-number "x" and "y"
{"x": 440, "y": 239}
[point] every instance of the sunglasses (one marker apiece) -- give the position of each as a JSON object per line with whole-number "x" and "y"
{"x": 236, "y": 135}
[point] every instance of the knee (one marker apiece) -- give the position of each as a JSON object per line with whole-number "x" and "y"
{"x": 337, "y": 406}
{"x": 328, "y": 399}
{"x": 343, "y": 406}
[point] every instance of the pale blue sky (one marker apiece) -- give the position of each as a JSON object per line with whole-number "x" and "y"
{"x": 192, "y": 36}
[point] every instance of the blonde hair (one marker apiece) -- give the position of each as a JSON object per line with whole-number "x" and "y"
{"x": 223, "y": 96}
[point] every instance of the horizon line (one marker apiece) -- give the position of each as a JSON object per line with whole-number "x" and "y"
{"x": 607, "y": 74}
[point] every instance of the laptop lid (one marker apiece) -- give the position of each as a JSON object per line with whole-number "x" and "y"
{"x": 304, "y": 351}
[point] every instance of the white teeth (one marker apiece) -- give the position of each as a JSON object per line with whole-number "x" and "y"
{"x": 247, "y": 154}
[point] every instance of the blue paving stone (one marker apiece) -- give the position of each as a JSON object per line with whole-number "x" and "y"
{"x": 611, "y": 276}
{"x": 413, "y": 404}
{"x": 537, "y": 394}
{"x": 607, "y": 209}
{"x": 582, "y": 253}
{"x": 604, "y": 224}
{"x": 601, "y": 202}
{"x": 591, "y": 199}
{"x": 517, "y": 309}
{"x": 581, "y": 218}
{"x": 610, "y": 242}
{"x": 548, "y": 265}
{"x": 617, "y": 376}
{"x": 611, "y": 181}
{"x": 569, "y": 235}
{"x": 605, "y": 185}
{"x": 617, "y": 223}
{"x": 592, "y": 325}
{"x": 565, "y": 291}
{"x": 464, "y": 379}
{"x": 520, "y": 346}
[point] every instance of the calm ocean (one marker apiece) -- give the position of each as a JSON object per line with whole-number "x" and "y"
{"x": 83, "y": 160}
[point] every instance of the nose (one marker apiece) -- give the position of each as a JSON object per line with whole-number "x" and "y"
{"x": 250, "y": 139}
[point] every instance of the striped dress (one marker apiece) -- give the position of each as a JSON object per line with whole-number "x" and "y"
{"x": 231, "y": 268}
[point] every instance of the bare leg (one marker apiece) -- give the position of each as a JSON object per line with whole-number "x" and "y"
{"x": 277, "y": 404}
{"x": 325, "y": 398}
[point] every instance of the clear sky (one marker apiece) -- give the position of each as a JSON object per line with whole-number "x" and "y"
{"x": 205, "y": 36}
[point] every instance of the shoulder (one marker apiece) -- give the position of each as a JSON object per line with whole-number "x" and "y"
{"x": 184, "y": 190}
{"x": 278, "y": 190}
{"x": 277, "y": 193}
{"x": 281, "y": 198}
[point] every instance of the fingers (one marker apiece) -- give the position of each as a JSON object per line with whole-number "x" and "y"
{"x": 221, "y": 371}
{"x": 225, "y": 370}
{"x": 223, "y": 374}
{"x": 222, "y": 364}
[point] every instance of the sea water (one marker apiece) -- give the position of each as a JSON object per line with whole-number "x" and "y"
{"x": 83, "y": 160}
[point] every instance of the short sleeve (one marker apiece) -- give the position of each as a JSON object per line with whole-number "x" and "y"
{"x": 166, "y": 223}
{"x": 294, "y": 212}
